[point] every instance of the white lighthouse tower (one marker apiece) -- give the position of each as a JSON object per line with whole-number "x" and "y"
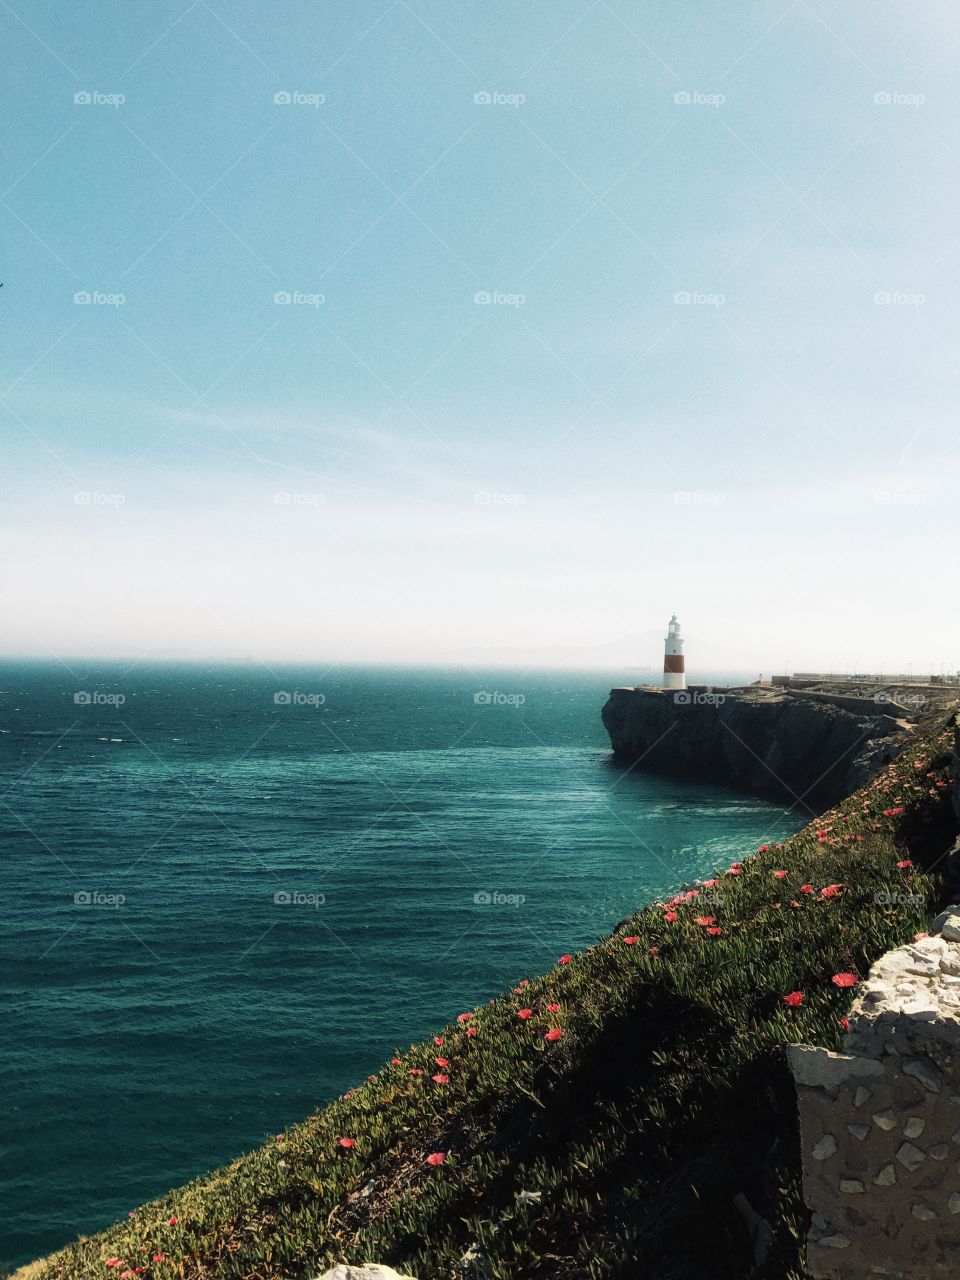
{"x": 674, "y": 674}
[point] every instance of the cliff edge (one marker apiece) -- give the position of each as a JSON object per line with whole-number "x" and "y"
{"x": 768, "y": 741}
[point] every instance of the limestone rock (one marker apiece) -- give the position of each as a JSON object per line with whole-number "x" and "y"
{"x": 369, "y": 1271}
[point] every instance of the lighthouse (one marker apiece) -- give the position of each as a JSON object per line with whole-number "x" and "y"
{"x": 674, "y": 675}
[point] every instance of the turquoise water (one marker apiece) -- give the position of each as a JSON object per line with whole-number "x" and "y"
{"x": 225, "y": 905}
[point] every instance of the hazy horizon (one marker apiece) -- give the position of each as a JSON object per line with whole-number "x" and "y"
{"x": 388, "y": 334}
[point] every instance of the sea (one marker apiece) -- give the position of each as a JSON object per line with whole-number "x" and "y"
{"x": 233, "y": 891}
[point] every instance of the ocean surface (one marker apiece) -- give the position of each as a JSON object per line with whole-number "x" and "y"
{"x": 231, "y": 892}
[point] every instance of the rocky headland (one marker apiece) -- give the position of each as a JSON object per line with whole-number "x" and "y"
{"x": 798, "y": 746}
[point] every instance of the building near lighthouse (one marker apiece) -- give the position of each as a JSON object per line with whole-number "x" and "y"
{"x": 674, "y": 673}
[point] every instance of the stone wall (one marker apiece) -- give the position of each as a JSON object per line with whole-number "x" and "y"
{"x": 880, "y": 1122}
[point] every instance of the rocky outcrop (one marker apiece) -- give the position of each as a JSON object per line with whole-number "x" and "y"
{"x": 880, "y": 1123}
{"x": 765, "y": 741}
{"x": 369, "y": 1271}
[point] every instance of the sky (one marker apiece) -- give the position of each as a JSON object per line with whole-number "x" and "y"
{"x": 397, "y": 330}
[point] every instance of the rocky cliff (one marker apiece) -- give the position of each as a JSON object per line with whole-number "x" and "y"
{"x": 765, "y": 741}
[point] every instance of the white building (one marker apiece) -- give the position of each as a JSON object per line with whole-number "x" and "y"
{"x": 674, "y": 672}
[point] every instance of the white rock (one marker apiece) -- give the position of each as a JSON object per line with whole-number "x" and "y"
{"x": 369, "y": 1271}
{"x": 914, "y": 1127}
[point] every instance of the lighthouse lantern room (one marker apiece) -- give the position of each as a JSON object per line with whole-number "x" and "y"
{"x": 674, "y": 675}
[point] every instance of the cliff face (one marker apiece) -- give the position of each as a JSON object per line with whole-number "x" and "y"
{"x": 770, "y": 742}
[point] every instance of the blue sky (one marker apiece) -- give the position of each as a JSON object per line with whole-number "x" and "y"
{"x": 717, "y": 373}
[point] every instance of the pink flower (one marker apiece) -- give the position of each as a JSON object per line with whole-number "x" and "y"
{"x": 845, "y": 1023}
{"x": 844, "y": 979}
{"x": 553, "y": 1034}
{"x": 763, "y": 848}
{"x": 917, "y": 936}
{"x": 523, "y": 1014}
{"x": 172, "y": 1221}
{"x": 670, "y": 916}
{"x": 714, "y": 933}
{"x": 442, "y": 1062}
{"x": 733, "y": 871}
{"x": 552, "y": 1008}
{"x": 565, "y": 959}
{"x": 705, "y": 920}
{"x": 436, "y": 1158}
{"x": 471, "y": 1031}
{"x": 395, "y": 1062}
{"x": 440, "y": 1078}
{"x": 708, "y": 884}
{"x": 902, "y": 866}
{"x": 780, "y": 875}
{"x": 114, "y": 1262}
{"x": 631, "y": 941}
{"x": 415, "y": 1071}
{"x": 652, "y": 950}
{"x": 159, "y": 1257}
{"x": 794, "y": 999}
{"x": 346, "y": 1143}
{"x": 438, "y": 1039}
{"x": 806, "y": 888}
{"x": 464, "y": 1017}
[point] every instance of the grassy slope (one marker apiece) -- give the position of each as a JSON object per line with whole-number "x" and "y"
{"x": 665, "y": 1096}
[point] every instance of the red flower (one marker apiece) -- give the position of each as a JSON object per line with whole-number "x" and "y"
{"x": 172, "y": 1221}
{"x": 524, "y": 1014}
{"x": 891, "y": 813}
{"x": 844, "y": 979}
{"x": 708, "y": 884}
{"x": 830, "y": 890}
{"x": 653, "y": 950}
{"x": 565, "y": 959}
{"x": 440, "y": 1078}
{"x": 714, "y": 933}
{"x": 902, "y": 866}
{"x": 845, "y": 1023}
{"x": 793, "y": 1000}
{"x": 670, "y": 916}
{"x": 806, "y": 888}
{"x": 346, "y": 1143}
{"x": 415, "y": 1071}
{"x": 438, "y": 1039}
{"x": 733, "y": 871}
{"x": 554, "y": 1034}
{"x": 552, "y": 1008}
{"x": 705, "y": 920}
{"x": 471, "y": 1031}
{"x": 395, "y": 1062}
{"x": 763, "y": 848}
{"x": 464, "y": 1017}
{"x": 780, "y": 875}
{"x": 159, "y": 1257}
{"x": 631, "y": 941}
{"x": 442, "y": 1062}
{"x": 437, "y": 1157}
